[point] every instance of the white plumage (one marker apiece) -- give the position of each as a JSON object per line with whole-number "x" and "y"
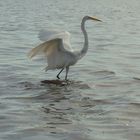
{"x": 56, "y": 48}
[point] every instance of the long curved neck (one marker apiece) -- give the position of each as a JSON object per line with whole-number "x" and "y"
{"x": 85, "y": 47}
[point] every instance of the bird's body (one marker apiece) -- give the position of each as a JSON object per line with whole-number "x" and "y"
{"x": 56, "y": 48}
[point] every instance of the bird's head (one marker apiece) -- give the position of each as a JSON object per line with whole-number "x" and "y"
{"x": 91, "y": 18}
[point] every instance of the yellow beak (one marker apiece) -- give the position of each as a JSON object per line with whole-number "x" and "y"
{"x": 94, "y": 18}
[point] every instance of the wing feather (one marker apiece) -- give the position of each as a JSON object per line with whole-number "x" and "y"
{"x": 56, "y": 48}
{"x": 46, "y": 35}
{"x": 45, "y": 48}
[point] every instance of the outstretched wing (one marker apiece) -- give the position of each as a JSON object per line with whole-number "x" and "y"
{"x": 54, "y": 51}
{"x": 47, "y": 48}
{"x": 47, "y": 35}
{"x": 55, "y": 48}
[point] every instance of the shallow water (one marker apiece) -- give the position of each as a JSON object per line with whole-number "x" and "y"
{"x": 102, "y": 99}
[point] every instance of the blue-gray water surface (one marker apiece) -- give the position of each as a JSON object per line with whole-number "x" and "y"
{"x": 102, "y": 100}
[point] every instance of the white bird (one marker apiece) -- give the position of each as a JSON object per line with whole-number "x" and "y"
{"x": 57, "y": 49}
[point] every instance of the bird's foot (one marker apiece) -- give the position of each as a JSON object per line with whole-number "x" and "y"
{"x": 67, "y": 81}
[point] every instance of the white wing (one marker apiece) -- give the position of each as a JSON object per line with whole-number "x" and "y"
{"x": 54, "y": 51}
{"x": 46, "y": 35}
{"x": 47, "y": 48}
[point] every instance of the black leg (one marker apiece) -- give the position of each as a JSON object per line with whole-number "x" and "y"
{"x": 67, "y": 70}
{"x": 59, "y": 73}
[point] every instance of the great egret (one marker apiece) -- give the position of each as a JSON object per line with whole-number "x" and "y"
{"x": 56, "y": 48}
